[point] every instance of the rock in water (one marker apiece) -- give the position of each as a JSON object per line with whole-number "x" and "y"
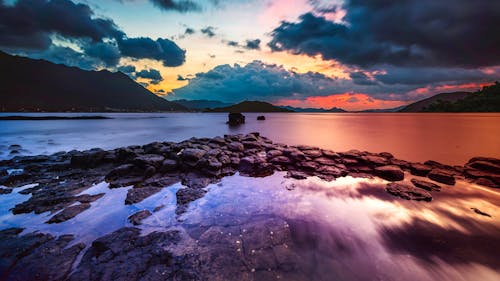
{"x": 261, "y": 117}
{"x": 429, "y": 186}
{"x": 441, "y": 176}
{"x": 390, "y": 173}
{"x": 137, "y": 217}
{"x": 408, "y": 192}
{"x": 235, "y": 119}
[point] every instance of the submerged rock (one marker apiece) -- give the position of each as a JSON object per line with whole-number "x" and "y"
{"x": 261, "y": 117}
{"x": 69, "y": 213}
{"x": 137, "y": 217}
{"x": 477, "y": 211}
{"x": 408, "y": 192}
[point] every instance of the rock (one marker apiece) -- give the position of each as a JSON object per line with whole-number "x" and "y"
{"x": 408, "y": 192}
{"x": 121, "y": 171}
{"x": 312, "y": 153}
{"x": 88, "y": 159}
{"x": 125, "y": 255}
{"x": 297, "y": 175}
{"x": 235, "y": 119}
{"x": 325, "y": 161}
{"x": 137, "y": 194}
{"x": 477, "y": 211}
{"x": 235, "y": 146}
{"x": 52, "y": 260}
{"x": 419, "y": 169}
{"x": 187, "y": 195}
{"x": 191, "y": 156}
{"x": 5, "y": 190}
{"x": 332, "y": 171}
{"x": 261, "y": 117}
{"x": 441, "y": 176}
{"x": 308, "y": 165}
{"x": 255, "y": 166}
{"x": 429, "y": 186}
{"x": 485, "y": 159}
{"x": 137, "y": 217}
{"x": 149, "y": 160}
{"x": 69, "y": 213}
{"x": 375, "y": 160}
{"x": 386, "y": 155}
{"x": 330, "y": 154}
{"x": 280, "y": 160}
{"x": 486, "y": 182}
{"x": 273, "y": 153}
{"x": 390, "y": 173}
{"x": 251, "y": 144}
{"x": 169, "y": 165}
{"x": 485, "y": 166}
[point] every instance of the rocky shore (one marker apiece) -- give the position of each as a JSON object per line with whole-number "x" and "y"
{"x": 195, "y": 163}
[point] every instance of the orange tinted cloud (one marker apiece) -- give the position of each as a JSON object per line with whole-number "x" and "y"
{"x": 347, "y": 101}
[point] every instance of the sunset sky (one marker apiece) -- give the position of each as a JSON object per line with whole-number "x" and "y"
{"x": 304, "y": 53}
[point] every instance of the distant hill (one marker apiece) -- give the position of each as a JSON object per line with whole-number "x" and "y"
{"x": 485, "y": 100}
{"x": 394, "y": 109}
{"x": 201, "y": 104}
{"x": 250, "y": 106}
{"x": 38, "y": 85}
{"x": 300, "y": 109}
{"x": 419, "y": 106}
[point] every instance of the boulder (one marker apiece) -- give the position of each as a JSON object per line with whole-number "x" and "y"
{"x": 235, "y": 146}
{"x": 485, "y": 166}
{"x": 261, "y": 117}
{"x": 408, "y": 192}
{"x": 419, "y": 169}
{"x": 169, "y": 165}
{"x": 442, "y": 176}
{"x": 154, "y": 160}
{"x": 390, "y": 173}
{"x": 429, "y": 186}
{"x": 235, "y": 118}
{"x": 191, "y": 156}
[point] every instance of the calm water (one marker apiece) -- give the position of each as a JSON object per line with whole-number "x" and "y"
{"x": 448, "y": 138}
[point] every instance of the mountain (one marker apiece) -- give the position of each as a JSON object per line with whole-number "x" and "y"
{"x": 394, "y": 109}
{"x": 485, "y": 100}
{"x": 422, "y": 104}
{"x": 300, "y": 109}
{"x": 250, "y": 106}
{"x": 201, "y": 104}
{"x": 38, "y": 85}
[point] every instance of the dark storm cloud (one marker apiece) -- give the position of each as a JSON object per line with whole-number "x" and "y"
{"x": 181, "y": 78}
{"x": 360, "y": 78}
{"x": 401, "y": 33}
{"x": 177, "y": 5}
{"x": 146, "y": 48}
{"x": 65, "y": 55}
{"x": 151, "y": 74}
{"x": 208, "y": 31}
{"x": 28, "y": 25}
{"x": 253, "y": 44}
{"x": 127, "y": 69}
{"x": 189, "y": 31}
{"x": 232, "y": 43}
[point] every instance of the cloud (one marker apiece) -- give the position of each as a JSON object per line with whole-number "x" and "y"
{"x": 127, "y": 69}
{"x": 163, "y": 50}
{"x": 232, "y": 43}
{"x": 29, "y": 26}
{"x": 65, "y": 55}
{"x": 253, "y": 44}
{"x": 427, "y": 33}
{"x": 189, "y": 31}
{"x": 181, "y": 78}
{"x": 208, "y": 31}
{"x": 179, "y": 5}
{"x": 360, "y": 78}
{"x": 151, "y": 74}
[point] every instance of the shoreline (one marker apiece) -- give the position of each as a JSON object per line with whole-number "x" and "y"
{"x": 195, "y": 163}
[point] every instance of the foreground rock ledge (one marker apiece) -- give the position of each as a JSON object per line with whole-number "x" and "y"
{"x": 197, "y": 162}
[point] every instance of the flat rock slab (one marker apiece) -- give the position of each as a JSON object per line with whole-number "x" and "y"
{"x": 429, "y": 186}
{"x": 390, "y": 173}
{"x": 441, "y": 176}
{"x": 137, "y": 194}
{"x": 137, "y": 218}
{"x": 408, "y": 192}
{"x": 69, "y": 213}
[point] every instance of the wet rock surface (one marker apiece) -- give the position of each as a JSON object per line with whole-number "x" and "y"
{"x": 255, "y": 248}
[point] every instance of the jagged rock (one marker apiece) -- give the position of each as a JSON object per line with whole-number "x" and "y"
{"x": 429, "y": 186}
{"x": 69, "y": 213}
{"x": 390, "y": 173}
{"x": 137, "y": 217}
{"x": 441, "y": 176}
{"x": 408, "y": 192}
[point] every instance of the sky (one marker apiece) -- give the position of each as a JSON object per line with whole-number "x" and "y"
{"x": 350, "y": 54}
